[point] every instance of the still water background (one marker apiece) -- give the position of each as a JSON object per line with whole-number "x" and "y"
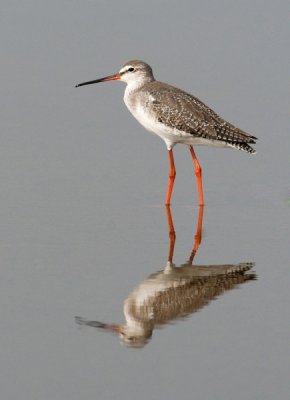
{"x": 82, "y": 187}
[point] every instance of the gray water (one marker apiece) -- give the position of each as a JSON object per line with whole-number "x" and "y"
{"x": 82, "y": 189}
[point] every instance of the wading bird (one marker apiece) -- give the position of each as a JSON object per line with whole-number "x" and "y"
{"x": 175, "y": 116}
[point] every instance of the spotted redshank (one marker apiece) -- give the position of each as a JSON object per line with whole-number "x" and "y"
{"x": 175, "y": 116}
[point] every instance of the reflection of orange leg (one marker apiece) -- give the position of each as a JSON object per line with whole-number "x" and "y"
{"x": 197, "y": 169}
{"x": 171, "y": 233}
{"x": 172, "y": 174}
{"x": 197, "y": 237}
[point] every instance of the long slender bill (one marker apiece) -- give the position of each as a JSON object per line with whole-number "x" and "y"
{"x": 106, "y": 78}
{"x": 97, "y": 324}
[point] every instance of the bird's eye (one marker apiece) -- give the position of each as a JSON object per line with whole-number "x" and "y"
{"x": 131, "y": 69}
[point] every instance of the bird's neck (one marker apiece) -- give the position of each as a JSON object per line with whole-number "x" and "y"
{"x": 138, "y": 83}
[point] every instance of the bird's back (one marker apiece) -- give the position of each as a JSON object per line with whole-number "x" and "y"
{"x": 178, "y": 291}
{"x": 185, "y": 113}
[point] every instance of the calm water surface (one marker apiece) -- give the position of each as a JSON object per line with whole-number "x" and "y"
{"x": 84, "y": 232}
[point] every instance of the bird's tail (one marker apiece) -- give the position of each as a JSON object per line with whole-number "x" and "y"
{"x": 242, "y": 146}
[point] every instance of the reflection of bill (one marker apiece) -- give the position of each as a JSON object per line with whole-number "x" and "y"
{"x": 174, "y": 292}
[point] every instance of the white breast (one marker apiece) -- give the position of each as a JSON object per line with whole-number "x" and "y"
{"x": 148, "y": 119}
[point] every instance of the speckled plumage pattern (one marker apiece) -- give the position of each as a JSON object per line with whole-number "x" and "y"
{"x": 185, "y": 113}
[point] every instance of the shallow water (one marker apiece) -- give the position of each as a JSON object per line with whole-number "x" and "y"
{"x": 83, "y": 226}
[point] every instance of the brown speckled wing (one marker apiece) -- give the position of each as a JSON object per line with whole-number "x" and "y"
{"x": 180, "y": 110}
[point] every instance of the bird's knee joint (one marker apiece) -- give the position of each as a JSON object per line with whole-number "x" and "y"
{"x": 172, "y": 235}
{"x": 198, "y": 172}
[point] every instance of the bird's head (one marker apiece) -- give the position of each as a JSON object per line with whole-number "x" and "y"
{"x": 132, "y": 72}
{"x": 132, "y": 335}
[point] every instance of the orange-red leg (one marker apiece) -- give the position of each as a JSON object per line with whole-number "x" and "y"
{"x": 197, "y": 237}
{"x": 197, "y": 169}
{"x": 172, "y": 174}
{"x": 171, "y": 233}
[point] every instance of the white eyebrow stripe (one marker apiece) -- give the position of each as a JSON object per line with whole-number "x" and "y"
{"x": 124, "y": 69}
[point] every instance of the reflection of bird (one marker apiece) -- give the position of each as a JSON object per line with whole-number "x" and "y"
{"x": 173, "y": 293}
{"x": 175, "y": 116}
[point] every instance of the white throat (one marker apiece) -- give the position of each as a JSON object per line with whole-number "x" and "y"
{"x": 137, "y": 82}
